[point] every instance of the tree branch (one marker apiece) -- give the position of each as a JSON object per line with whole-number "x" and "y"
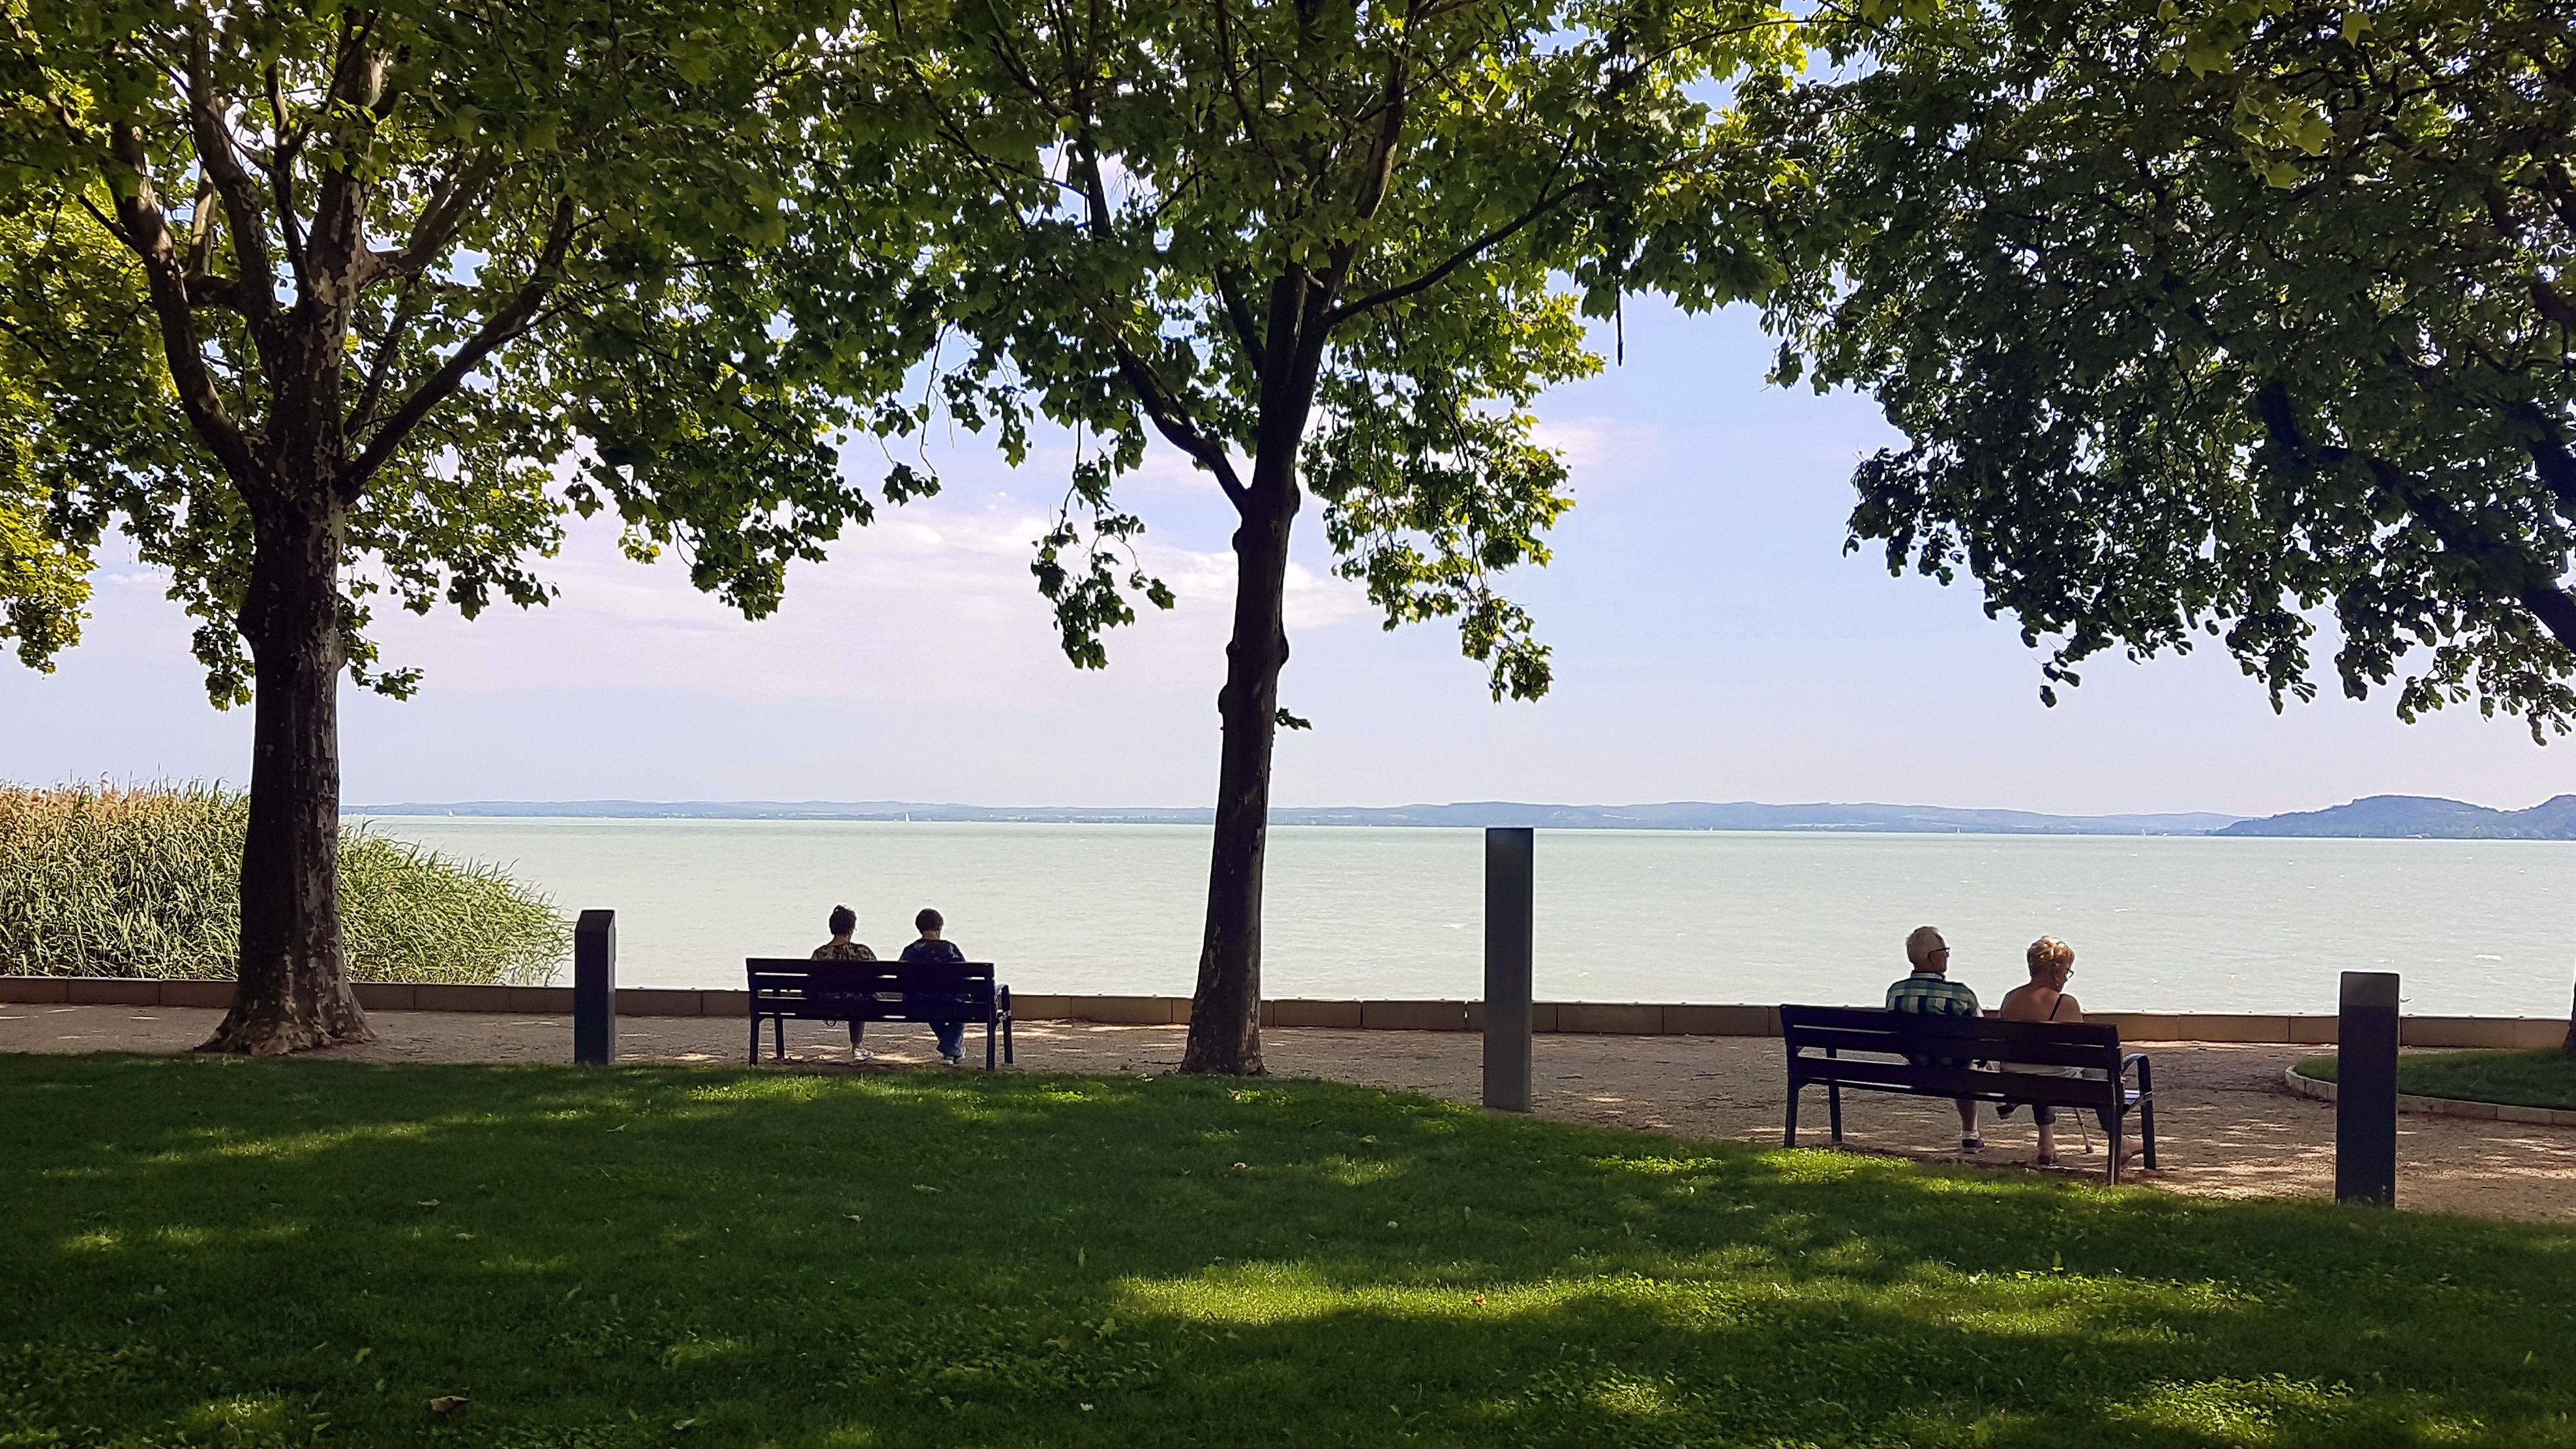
{"x": 1175, "y": 425}
{"x": 388, "y": 347}
{"x": 2523, "y": 578}
{"x": 2548, "y": 603}
{"x": 145, "y": 229}
{"x": 219, "y": 159}
{"x": 2550, "y": 456}
{"x": 1161, "y": 408}
{"x": 497, "y": 331}
{"x": 455, "y": 194}
{"x": 1239, "y": 312}
{"x": 1462, "y": 257}
{"x": 281, "y": 178}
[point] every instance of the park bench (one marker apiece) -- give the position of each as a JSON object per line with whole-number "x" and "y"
{"x": 806, "y": 990}
{"x": 1875, "y": 1050}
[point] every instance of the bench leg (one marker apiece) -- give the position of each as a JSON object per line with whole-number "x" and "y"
{"x": 988, "y": 1043}
{"x": 2119, "y": 1123}
{"x": 755, "y": 1038}
{"x": 1834, "y": 1109}
{"x": 2146, "y": 1108}
{"x": 778, "y": 1035}
{"x": 1789, "y": 1130}
{"x": 1007, "y": 1058}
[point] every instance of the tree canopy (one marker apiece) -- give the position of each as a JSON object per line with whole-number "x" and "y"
{"x": 1313, "y": 244}
{"x": 546, "y": 233}
{"x": 2244, "y": 320}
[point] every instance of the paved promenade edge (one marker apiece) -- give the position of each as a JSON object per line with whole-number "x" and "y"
{"x": 1594, "y": 1018}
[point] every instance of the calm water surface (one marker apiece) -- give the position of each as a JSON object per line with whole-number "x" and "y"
{"x": 2187, "y": 924}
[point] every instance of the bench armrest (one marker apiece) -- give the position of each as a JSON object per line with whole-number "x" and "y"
{"x": 2146, "y": 1070}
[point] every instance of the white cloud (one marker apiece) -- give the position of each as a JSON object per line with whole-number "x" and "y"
{"x": 932, "y": 602}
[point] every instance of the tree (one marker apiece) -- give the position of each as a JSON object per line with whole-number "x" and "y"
{"x": 325, "y": 303}
{"x": 1313, "y": 244}
{"x": 2235, "y": 319}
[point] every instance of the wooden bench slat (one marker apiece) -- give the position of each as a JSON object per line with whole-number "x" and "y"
{"x": 2028, "y": 1053}
{"x": 1980, "y": 1028}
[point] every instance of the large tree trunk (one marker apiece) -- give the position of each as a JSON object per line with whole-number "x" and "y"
{"x": 1225, "y": 1012}
{"x": 294, "y": 992}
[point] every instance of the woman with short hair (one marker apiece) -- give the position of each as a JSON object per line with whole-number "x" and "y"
{"x": 2044, "y": 998}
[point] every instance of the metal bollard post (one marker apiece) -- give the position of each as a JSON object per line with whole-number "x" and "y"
{"x": 1509, "y": 925}
{"x": 594, "y": 988}
{"x": 2366, "y": 1090}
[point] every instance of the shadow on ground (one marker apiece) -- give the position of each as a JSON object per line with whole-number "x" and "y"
{"x": 270, "y": 1253}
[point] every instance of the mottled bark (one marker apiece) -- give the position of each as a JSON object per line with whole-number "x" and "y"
{"x": 294, "y": 993}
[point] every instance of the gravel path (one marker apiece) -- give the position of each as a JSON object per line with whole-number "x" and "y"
{"x": 2227, "y": 1128}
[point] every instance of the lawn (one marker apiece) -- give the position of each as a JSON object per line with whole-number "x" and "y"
{"x": 236, "y": 1253}
{"x": 2544, "y": 1078}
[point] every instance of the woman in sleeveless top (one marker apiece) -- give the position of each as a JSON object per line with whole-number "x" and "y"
{"x": 2044, "y": 998}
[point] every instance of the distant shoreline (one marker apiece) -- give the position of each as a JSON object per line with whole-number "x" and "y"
{"x": 2379, "y": 817}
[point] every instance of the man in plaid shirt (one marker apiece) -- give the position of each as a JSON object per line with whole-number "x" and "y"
{"x": 1931, "y": 992}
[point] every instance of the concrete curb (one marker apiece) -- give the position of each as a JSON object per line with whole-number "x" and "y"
{"x": 1596, "y": 1018}
{"x": 2311, "y": 1088}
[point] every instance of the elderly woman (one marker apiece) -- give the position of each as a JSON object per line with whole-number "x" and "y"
{"x": 2044, "y": 998}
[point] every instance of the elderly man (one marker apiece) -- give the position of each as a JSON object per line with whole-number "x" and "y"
{"x": 1929, "y": 991}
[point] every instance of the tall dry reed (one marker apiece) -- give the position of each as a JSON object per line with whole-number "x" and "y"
{"x": 112, "y": 881}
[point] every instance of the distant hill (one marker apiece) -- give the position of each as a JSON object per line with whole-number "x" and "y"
{"x": 2386, "y": 817}
{"x": 2383, "y": 817}
{"x": 1680, "y": 815}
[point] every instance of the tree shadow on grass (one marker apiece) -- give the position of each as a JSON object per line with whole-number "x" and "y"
{"x": 254, "y": 1253}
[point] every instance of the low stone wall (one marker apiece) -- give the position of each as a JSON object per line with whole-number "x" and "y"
{"x": 1605, "y": 1018}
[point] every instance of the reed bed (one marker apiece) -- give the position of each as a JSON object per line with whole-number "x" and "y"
{"x": 114, "y": 881}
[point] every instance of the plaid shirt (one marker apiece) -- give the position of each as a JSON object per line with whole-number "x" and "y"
{"x": 1926, "y": 993}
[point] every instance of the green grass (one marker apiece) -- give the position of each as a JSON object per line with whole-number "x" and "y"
{"x": 146, "y": 882}
{"x": 223, "y": 1252}
{"x": 2543, "y": 1078}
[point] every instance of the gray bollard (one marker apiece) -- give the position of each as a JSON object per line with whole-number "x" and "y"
{"x": 1509, "y": 925}
{"x": 2366, "y": 1090}
{"x": 594, "y": 988}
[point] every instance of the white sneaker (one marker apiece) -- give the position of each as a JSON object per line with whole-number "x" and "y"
{"x": 954, "y": 1061}
{"x": 862, "y": 1054}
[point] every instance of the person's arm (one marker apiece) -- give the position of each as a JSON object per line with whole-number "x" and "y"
{"x": 2067, "y": 1010}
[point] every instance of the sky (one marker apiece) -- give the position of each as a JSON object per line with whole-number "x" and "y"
{"x": 1712, "y": 641}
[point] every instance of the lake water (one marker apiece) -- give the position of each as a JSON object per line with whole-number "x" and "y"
{"x": 2166, "y": 924}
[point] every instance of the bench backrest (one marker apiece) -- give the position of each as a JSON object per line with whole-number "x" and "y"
{"x": 790, "y": 983}
{"x": 1873, "y": 1031}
